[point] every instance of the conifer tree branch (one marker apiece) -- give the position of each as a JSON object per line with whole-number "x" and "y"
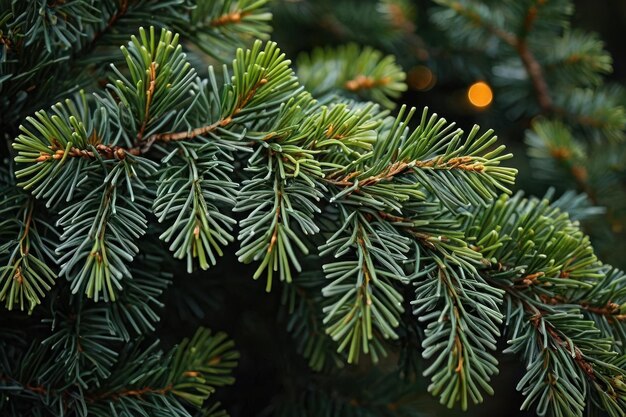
{"x": 188, "y": 374}
{"x": 559, "y": 345}
{"x": 519, "y": 44}
{"x": 189, "y": 199}
{"x": 532, "y": 65}
{"x": 363, "y": 300}
{"x": 25, "y": 276}
{"x": 354, "y": 71}
{"x": 463, "y": 163}
{"x": 224, "y": 121}
{"x": 392, "y": 206}
{"x": 303, "y": 301}
{"x": 115, "y": 16}
{"x": 218, "y": 28}
{"x": 545, "y": 304}
{"x": 460, "y": 336}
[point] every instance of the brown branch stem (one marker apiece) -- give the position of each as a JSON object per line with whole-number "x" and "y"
{"x": 104, "y": 151}
{"x": 134, "y": 393}
{"x": 464, "y": 163}
{"x": 121, "y": 11}
{"x": 274, "y": 237}
{"x": 535, "y": 72}
{"x": 149, "y": 96}
{"x": 536, "y": 317}
{"x": 233, "y": 17}
{"x": 365, "y": 82}
{"x": 24, "y": 246}
{"x": 520, "y": 44}
{"x": 143, "y": 146}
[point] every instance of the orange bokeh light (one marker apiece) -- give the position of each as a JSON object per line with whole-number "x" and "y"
{"x": 480, "y": 94}
{"x": 421, "y": 78}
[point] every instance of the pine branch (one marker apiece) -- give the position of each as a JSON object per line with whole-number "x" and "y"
{"x": 194, "y": 183}
{"x": 99, "y": 233}
{"x": 577, "y": 61}
{"x": 458, "y": 171}
{"x": 463, "y": 325}
{"x": 597, "y": 111}
{"x": 144, "y": 380}
{"x": 269, "y": 81}
{"x": 137, "y": 310}
{"x": 52, "y": 45}
{"x": 83, "y": 342}
{"x": 541, "y": 259}
{"x": 603, "y": 303}
{"x": 381, "y": 186}
{"x": 58, "y": 25}
{"x": 350, "y": 70}
{"x": 303, "y": 300}
{"x": 114, "y": 17}
{"x": 288, "y": 153}
{"x": 219, "y": 27}
{"x": 578, "y": 58}
{"x": 160, "y": 81}
{"x": 164, "y": 84}
{"x": 391, "y": 206}
{"x": 137, "y": 108}
{"x": 558, "y": 347}
{"x": 25, "y": 252}
{"x": 363, "y": 305}
{"x": 46, "y": 151}
{"x": 518, "y": 42}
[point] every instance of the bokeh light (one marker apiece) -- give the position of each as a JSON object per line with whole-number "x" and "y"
{"x": 480, "y": 94}
{"x": 421, "y": 78}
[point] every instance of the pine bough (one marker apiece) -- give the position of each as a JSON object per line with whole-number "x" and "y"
{"x": 404, "y": 214}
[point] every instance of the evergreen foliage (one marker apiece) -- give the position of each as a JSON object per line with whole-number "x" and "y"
{"x": 391, "y": 239}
